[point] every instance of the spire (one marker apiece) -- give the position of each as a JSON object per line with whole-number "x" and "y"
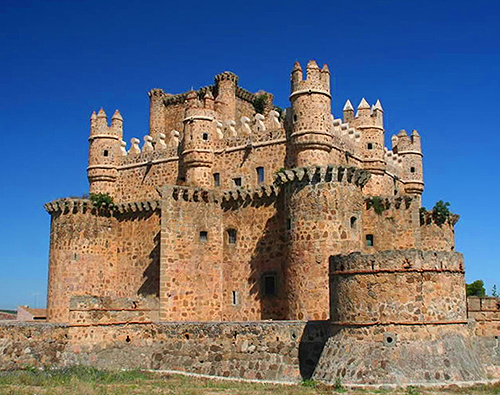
{"x": 378, "y": 106}
{"x": 312, "y": 64}
{"x": 93, "y": 117}
{"x": 363, "y": 105}
{"x": 296, "y": 67}
{"x": 101, "y": 113}
{"x": 415, "y": 133}
{"x": 117, "y": 115}
{"x": 325, "y": 69}
{"x": 402, "y": 133}
{"x": 348, "y": 106}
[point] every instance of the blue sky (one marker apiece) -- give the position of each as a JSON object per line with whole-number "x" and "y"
{"x": 435, "y": 65}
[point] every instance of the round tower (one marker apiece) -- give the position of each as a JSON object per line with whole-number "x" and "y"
{"x": 311, "y": 115}
{"x": 398, "y": 317}
{"x": 156, "y": 112}
{"x": 324, "y": 208}
{"x": 225, "y": 102}
{"x": 410, "y": 150}
{"x": 104, "y": 149}
{"x": 370, "y": 122}
{"x": 197, "y": 143}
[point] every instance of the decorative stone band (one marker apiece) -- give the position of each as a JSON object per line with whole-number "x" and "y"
{"x": 409, "y": 270}
{"x": 261, "y": 191}
{"x": 308, "y": 92}
{"x": 84, "y": 205}
{"x": 303, "y": 132}
{"x": 101, "y": 167}
{"x": 198, "y": 118}
{"x": 402, "y": 323}
{"x": 398, "y": 261}
{"x": 317, "y": 174}
{"x": 103, "y": 136}
{"x": 410, "y": 152}
{"x": 179, "y": 193}
{"x": 195, "y": 150}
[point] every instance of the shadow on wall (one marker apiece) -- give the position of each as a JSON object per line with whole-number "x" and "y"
{"x": 312, "y": 343}
{"x": 267, "y": 258}
{"x": 151, "y": 275}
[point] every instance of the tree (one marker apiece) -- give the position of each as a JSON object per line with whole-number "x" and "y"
{"x": 494, "y": 291}
{"x": 476, "y": 288}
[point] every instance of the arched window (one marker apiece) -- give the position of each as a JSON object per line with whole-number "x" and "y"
{"x": 232, "y": 236}
{"x": 353, "y": 222}
{"x": 260, "y": 175}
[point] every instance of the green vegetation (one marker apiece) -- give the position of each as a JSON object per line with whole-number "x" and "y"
{"x": 8, "y": 311}
{"x": 476, "y": 288}
{"x": 259, "y": 103}
{"x": 377, "y": 203}
{"x": 89, "y": 381}
{"x": 439, "y": 214}
{"x": 494, "y": 292}
{"x": 101, "y": 200}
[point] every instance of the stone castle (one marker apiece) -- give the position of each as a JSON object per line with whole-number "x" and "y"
{"x": 234, "y": 211}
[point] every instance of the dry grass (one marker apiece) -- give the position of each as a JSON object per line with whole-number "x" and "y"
{"x": 88, "y": 381}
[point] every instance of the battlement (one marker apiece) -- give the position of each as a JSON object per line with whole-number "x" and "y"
{"x": 317, "y": 80}
{"x": 404, "y": 261}
{"x": 83, "y": 205}
{"x": 403, "y": 144}
{"x": 99, "y": 125}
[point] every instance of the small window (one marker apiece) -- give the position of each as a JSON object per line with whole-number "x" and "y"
{"x": 205, "y": 136}
{"x": 217, "y": 179}
{"x": 260, "y": 175}
{"x": 269, "y": 284}
{"x": 412, "y": 169}
{"x": 231, "y": 236}
{"x": 370, "y": 146}
{"x": 203, "y": 235}
{"x": 236, "y": 298}
{"x": 295, "y": 117}
{"x": 369, "y": 240}
{"x": 237, "y": 181}
{"x": 106, "y": 152}
{"x": 288, "y": 224}
{"x": 353, "y": 222}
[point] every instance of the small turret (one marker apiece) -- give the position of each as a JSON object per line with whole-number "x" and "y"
{"x": 198, "y": 140}
{"x": 117, "y": 123}
{"x": 348, "y": 111}
{"x": 311, "y": 115}
{"x": 104, "y": 151}
{"x": 409, "y": 148}
{"x": 225, "y": 102}
{"x": 156, "y": 112}
{"x": 370, "y": 123}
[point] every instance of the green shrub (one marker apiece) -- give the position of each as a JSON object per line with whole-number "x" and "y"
{"x": 259, "y": 103}
{"x": 101, "y": 200}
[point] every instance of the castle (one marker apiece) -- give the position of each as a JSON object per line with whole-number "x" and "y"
{"x": 232, "y": 210}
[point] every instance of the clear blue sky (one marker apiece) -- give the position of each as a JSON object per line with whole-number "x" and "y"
{"x": 435, "y": 65}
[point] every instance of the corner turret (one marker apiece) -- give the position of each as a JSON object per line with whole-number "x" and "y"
{"x": 311, "y": 115}
{"x": 104, "y": 147}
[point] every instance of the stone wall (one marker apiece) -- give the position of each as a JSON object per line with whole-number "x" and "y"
{"x": 437, "y": 237}
{"x": 281, "y": 351}
{"x": 95, "y": 310}
{"x": 486, "y": 313}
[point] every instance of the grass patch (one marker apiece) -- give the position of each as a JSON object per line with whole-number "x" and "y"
{"x": 82, "y": 380}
